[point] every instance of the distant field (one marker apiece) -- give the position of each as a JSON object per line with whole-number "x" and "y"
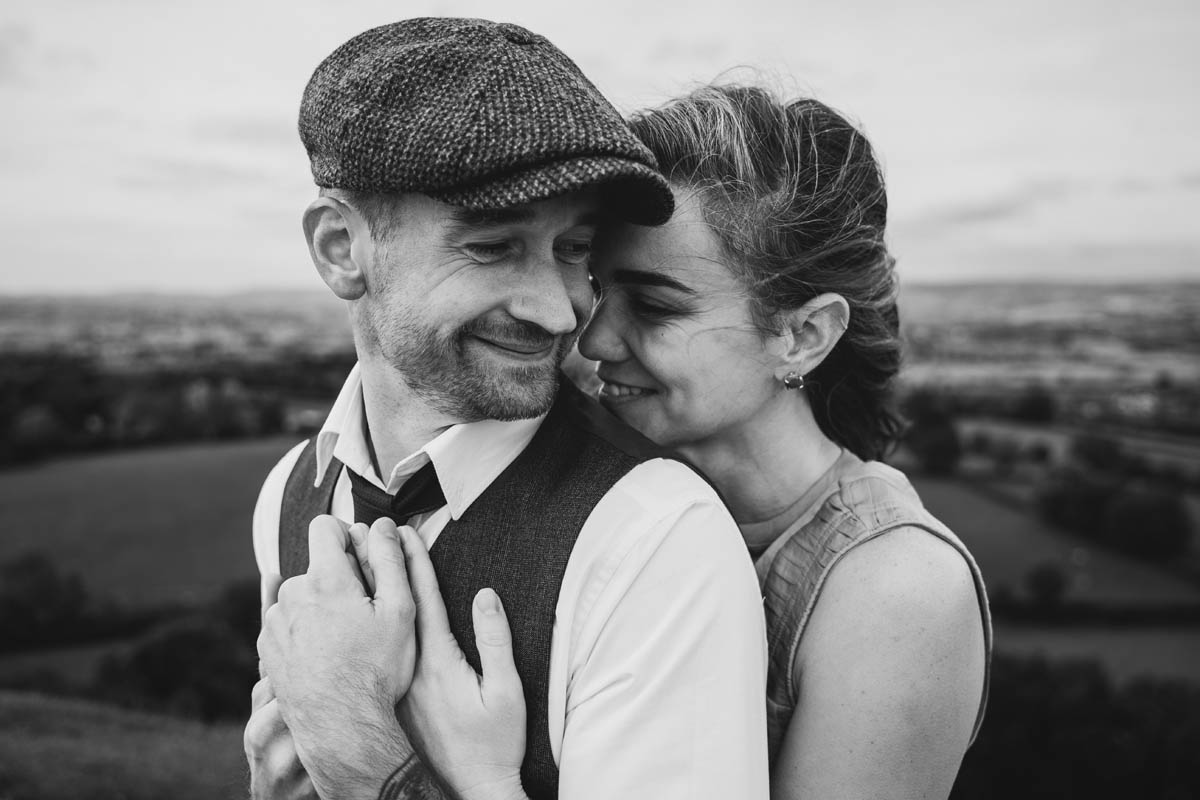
{"x": 147, "y": 526}
{"x": 57, "y": 749}
{"x": 173, "y": 524}
{"x": 1157, "y": 449}
{"x": 193, "y": 538}
{"x": 1126, "y": 653}
{"x": 1007, "y": 543}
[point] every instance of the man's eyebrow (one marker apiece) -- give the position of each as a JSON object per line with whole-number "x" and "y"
{"x": 479, "y": 217}
{"x": 640, "y": 278}
{"x": 593, "y": 218}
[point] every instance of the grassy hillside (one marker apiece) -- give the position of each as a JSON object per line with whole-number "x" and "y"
{"x": 162, "y": 525}
{"x": 58, "y": 749}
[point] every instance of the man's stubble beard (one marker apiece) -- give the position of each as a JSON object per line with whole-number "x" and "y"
{"x": 446, "y": 375}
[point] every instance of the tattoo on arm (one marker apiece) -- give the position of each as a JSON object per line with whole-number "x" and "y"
{"x": 411, "y": 781}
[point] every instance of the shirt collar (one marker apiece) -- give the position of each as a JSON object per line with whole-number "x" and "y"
{"x": 467, "y": 457}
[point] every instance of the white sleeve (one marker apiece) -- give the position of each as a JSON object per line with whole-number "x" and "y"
{"x": 667, "y": 678}
{"x": 265, "y": 524}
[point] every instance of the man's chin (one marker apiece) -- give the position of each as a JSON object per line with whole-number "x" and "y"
{"x": 518, "y": 392}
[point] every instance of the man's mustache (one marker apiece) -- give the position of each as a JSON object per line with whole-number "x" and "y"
{"x": 513, "y": 331}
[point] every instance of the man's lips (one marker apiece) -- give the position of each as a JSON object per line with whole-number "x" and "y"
{"x": 521, "y": 348}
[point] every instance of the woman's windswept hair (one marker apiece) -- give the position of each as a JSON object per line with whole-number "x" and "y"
{"x": 796, "y": 196}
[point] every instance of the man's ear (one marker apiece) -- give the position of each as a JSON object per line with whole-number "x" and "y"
{"x": 331, "y": 228}
{"x": 811, "y": 331}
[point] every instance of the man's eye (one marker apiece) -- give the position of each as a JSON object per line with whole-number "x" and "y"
{"x": 574, "y": 252}
{"x": 488, "y": 251}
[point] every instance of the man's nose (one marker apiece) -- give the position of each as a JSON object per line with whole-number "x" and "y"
{"x": 551, "y": 297}
{"x": 601, "y": 339}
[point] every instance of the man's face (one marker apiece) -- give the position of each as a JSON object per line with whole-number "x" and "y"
{"x": 476, "y": 310}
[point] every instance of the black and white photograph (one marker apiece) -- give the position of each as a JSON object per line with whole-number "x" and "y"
{"x": 504, "y": 401}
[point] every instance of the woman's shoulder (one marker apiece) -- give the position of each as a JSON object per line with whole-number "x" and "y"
{"x": 897, "y": 565}
{"x": 896, "y": 551}
{"x": 865, "y": 486}
{"x": 908, "y": 569}
{"x": 862, "y": 501}
{"x": 870, "y": 544}
{"x": 899, "y": 599}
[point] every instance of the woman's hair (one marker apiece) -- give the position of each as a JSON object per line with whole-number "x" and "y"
{"x": 796, "y": 196}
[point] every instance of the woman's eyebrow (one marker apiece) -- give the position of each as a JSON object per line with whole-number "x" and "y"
{"x": 640, "y": 278}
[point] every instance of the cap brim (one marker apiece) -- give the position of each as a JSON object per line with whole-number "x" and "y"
{"x": 630, "y": 191}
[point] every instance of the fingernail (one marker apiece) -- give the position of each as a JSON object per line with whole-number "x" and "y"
{"x": 489, "y": 601}
{"x": 388, "y": 528}
{"x": 358, "y": 532}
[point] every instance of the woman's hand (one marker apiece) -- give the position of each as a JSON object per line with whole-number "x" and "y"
{"x": 468, "y": 728}
{"x": 275, "y": 769}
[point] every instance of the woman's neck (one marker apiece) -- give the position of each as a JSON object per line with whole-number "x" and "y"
{"x": 764, "y": 468}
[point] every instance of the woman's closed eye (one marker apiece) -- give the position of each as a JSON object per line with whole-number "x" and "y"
{"x": 653, "y": 311}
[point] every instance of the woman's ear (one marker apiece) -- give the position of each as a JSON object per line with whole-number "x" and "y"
{"x": 331, "y": 228}
{"x": 810, "y": 333}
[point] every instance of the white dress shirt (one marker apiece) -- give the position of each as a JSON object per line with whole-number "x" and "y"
{"x": 658, "y": 654}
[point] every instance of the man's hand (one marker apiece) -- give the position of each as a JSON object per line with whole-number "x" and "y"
{"x": 275, "y": 769}
{"x": 339, "y": 659}
{"x": 469, "y": 728}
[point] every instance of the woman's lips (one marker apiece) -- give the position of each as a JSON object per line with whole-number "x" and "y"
{"x": 613, "y": 390}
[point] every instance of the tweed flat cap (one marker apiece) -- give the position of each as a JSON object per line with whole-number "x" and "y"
{"x": 474, "y": 113}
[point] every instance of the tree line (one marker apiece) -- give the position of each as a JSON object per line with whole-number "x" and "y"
{"x": 55, "y": 403}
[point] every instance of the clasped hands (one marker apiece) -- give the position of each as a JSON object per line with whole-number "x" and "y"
{"x": 360, "y": 669}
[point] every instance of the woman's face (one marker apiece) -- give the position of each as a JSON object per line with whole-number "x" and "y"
{"x": 680, "y": 358}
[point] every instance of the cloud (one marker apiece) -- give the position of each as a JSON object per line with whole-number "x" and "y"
{"x": 1064, "y": 261}
{"x": 191, "y": 174}
{"x": 265, "y": 131}
{"x": 688, "y": 51}
{"x": 969, "y": 213}
{"x": 23, "y": 58}
{"x": 1002, "y": 207}
{"x": 16, "y": 46}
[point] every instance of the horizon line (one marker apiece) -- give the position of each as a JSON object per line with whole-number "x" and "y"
{"x": 921, "y": 283}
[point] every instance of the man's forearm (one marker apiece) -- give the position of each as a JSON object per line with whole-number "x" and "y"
{"x": 377, "y": 763}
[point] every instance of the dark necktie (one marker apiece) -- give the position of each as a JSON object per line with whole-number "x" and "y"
{"x": 420, "y": 493}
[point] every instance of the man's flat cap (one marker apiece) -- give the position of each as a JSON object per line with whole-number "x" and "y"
{"x": 473, "y": 113}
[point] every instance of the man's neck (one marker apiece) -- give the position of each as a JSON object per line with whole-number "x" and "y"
{"x": 398, "y": 423}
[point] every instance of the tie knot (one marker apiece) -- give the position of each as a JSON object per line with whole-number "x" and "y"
{"x": 419, "y": 494}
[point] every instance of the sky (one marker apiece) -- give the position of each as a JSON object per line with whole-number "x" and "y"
{"x": 150, "y": 145}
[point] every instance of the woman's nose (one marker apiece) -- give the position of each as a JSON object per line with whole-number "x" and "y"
{"x": 601, "y": 339}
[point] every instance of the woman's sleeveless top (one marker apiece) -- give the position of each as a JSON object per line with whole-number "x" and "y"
{"x": 854, "y": 502}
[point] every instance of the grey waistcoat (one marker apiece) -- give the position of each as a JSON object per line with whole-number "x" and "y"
{"x": 516, "y": 538}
